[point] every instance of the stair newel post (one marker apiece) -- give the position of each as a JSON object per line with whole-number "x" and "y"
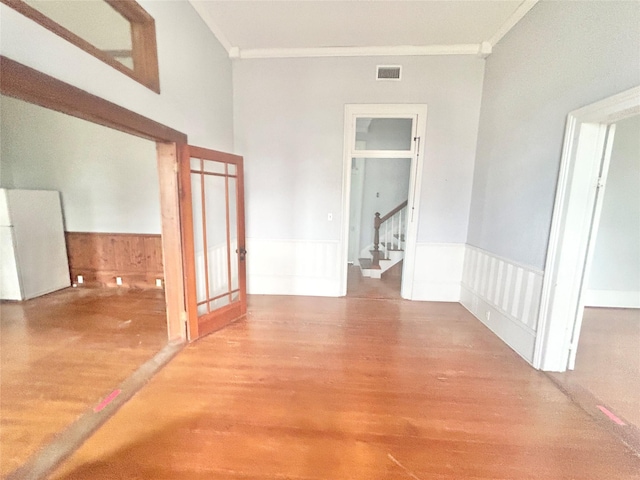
{"x": 376, "y": 239}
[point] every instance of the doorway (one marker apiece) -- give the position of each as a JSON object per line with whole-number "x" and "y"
{"x": 606, "y": 365}
{"x": 382, "y": 171}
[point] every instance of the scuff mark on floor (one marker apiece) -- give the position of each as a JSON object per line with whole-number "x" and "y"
{"x": 406, "y": 470}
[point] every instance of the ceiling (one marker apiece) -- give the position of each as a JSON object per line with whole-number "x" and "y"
{"x": 308, "y": 28}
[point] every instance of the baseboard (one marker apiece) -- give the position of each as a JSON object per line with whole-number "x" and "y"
{"x": 505, "y": 296}
{"x": 438, "y": 272}
{"x": 612, "y": 299}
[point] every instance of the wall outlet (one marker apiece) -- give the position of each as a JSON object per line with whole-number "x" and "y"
{"x": 330, "y": 217}
{"x": 158, "y": 282}
{"x": 80, "y": 280}
{"x": 118, "y": 280}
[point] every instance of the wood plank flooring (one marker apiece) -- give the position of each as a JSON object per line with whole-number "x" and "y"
{"x": 608, "y": 360}
{"x": 344, "y": 388}
{"x": 61, "y": 353}
{"x": 387, "y": 287}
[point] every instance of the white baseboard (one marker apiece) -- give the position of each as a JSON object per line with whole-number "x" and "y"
{"x": 438, "y": 272}
{"x": 612, "y": 299}
{"x": 505, "y": 296}
{"x": 293, "y": 267}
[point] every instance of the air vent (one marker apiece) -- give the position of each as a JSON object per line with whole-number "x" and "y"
{"x": 388, "y": 72}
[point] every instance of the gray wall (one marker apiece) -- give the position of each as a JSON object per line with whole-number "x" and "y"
{"x": 195, "y": 71}
{"x": 561, "y": 56}
{"x": 108, "y": 180}
{"x": 616, "y": 258}
{"x": 289, "y": 125}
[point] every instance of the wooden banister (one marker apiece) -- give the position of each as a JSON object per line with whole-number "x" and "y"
{"x": 377, "y": 221}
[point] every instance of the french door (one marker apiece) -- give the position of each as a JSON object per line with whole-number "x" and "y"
{"x": 212, "y": 209}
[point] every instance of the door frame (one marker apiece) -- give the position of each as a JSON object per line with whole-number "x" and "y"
{"x": 581, "y": 175}
{"x": 419, "y": 112}
{"x": 32, "y": 86}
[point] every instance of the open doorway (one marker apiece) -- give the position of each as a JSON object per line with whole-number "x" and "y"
{"x": 607, "y": 360}
{"x": 63, "y": 351}
{"x": 383, "y": 150}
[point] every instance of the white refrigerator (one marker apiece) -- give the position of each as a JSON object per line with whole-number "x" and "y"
{"x": 33, "y": 253}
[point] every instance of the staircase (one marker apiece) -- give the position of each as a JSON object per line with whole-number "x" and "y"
{"x": 388, "y": 242}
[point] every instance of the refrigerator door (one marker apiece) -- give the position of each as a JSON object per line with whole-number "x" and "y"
{"x": 38, "y": 230}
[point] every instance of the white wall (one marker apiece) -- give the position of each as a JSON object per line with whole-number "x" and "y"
{"x": 108, "y": 180}
{"x": 289, "y": 116}
{"x": 560, "y": 56}
{"x": 614, "y": 280}
{"x": 195, "y": 71}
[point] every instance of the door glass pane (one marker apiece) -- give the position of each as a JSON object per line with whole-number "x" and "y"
{"x": 232, "y": 169}
{"x": 195, "y": 164}
{"x": 198, "y": 239}
{"x": 383, "y": 133}
{"x": 214, "y": 167}
{"x": 219, "y": 302}
{"x": 233, "y": 232}
{"x": 216, "y": 229}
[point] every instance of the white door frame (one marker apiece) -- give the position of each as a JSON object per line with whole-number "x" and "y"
{"x": 583, "y": 170}
{"x": 418, "y": 112}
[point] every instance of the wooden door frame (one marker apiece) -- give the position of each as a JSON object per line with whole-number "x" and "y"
{"x": 24, "y": 83}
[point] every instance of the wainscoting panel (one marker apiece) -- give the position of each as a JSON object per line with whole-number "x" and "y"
{"x": 293, "y": 267}
{"x": 101, "y": 257}
{"x": 503, "y": 295}
{"x": 438, "y": 272}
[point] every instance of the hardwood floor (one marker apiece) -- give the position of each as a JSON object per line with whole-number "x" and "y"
{"x": 63, "y": 352}
{"x": 608, "y": 360}
{"x": 347, "y": 388}
{"x": 358, "y": 286}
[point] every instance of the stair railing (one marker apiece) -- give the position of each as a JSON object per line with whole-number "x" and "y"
{"x": 393, "y": 225}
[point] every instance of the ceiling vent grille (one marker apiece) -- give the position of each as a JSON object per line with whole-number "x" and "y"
{"x": 388, "y": 72}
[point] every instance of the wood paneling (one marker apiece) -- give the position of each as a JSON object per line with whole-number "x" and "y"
{"x": 101, "y": 257}
{"x": 342, "y": 388}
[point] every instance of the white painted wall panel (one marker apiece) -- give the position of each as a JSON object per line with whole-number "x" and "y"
{"x": 438, "y": 272}
{"x": 503, "y": 295}
{"x": 292, "y": 267}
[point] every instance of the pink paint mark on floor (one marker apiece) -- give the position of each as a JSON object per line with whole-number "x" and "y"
{"x": 611, "y": 415}
{"x": 107, "y": 400}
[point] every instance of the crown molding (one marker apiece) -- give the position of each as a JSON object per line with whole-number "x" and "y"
{"x": 511, "y": 22}
{"x": 403, "y": 50}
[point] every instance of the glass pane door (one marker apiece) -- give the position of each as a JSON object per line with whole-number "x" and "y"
{"x": 217, "y": 240}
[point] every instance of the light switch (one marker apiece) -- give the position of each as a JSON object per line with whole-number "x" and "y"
{"x": 330, "y": 217}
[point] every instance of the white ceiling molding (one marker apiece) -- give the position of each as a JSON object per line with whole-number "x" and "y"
{"x": 405, "y": 50}
{"x": 482, "y": 50}
{"x": 511, "y": 22}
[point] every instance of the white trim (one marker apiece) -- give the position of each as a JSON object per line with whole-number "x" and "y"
{"x": 400, "y": 50}
{"x": 612, "y": 299}
{"x": 571, "y": 225}
{"x": 511, "y": 22}
{"x": 419, "y": 113}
